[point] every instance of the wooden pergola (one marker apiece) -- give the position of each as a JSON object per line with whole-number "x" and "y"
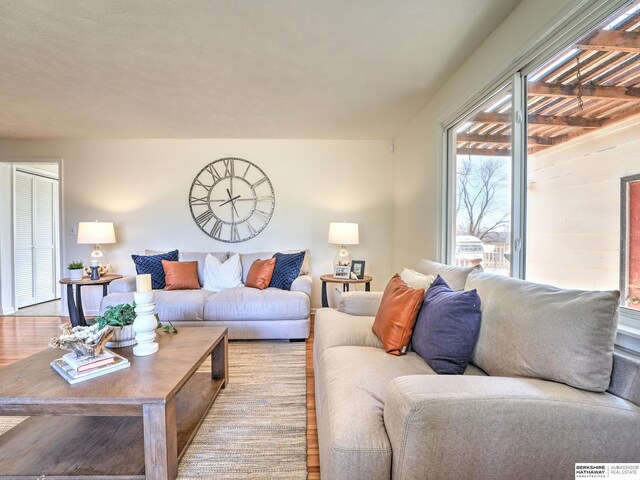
{"x": 589, "y": 86}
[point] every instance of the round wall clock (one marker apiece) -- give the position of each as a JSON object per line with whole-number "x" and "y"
{"x": 231, "y": 200}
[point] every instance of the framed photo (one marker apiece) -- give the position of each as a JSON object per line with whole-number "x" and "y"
{"x": 341, "y": 272}
{"x": 357, "y": 267}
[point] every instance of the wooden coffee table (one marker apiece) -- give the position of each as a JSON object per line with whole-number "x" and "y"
{"x": 132, "y": 423}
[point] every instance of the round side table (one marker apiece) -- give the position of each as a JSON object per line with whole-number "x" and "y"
{"x": 75, "y": 311}
{"x": 345, "y": 284}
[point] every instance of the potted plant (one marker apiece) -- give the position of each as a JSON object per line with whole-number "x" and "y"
{"x": 76, "y": 269}
{"x": 121, "y": 318}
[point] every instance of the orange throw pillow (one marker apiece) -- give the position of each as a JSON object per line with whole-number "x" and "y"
{"x": 180, "y": 275}
{"x": 397, "y": 315}
{"x": 260, "y": 273}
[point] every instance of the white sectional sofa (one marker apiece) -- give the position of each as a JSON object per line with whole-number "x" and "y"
{"x": 248, "y": 313}
{"x": 384, "y": 417}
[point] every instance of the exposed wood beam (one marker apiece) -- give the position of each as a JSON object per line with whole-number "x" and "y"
{"x": 612, "y": 41}
{"x": 621, "y": 115}
{"x": 485, "y": 152}
{"x": 631, "y": 94}
{"x": 540, "y": 120}
{"x": 506, "y": 139}
{"x": 493, "y": 152}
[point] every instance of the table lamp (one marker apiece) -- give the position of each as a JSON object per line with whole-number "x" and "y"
{"x": 97, "y": 233}
{"x": 343, "y": 234}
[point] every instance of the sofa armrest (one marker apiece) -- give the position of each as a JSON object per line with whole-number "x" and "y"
{"x": 497, "y": 427}
{"x": 302, "y": 284}
{"x": 123, "y": 285}
{"x": 363, "y": 304}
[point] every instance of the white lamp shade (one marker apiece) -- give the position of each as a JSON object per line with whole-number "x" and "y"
{"x": 96, "y": 233}
{"x": 344, "y": 233}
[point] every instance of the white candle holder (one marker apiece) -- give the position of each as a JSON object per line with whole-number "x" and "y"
{"x": 145, "y": 324}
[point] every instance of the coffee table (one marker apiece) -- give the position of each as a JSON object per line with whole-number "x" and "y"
{"x": 133, "y": 423}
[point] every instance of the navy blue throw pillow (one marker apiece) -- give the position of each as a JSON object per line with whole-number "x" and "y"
{"x": 153, "y": 264}
{"x": 286, "y": 270}
{"x": 447, "y": 328}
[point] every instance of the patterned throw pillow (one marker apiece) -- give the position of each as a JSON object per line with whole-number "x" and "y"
{"x": 153, "y": 264}
{"x": 447, "y": 328}
{"x": 286, "y": 270}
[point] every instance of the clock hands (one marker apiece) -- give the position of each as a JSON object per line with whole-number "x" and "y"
{"x": 231, "y": 200}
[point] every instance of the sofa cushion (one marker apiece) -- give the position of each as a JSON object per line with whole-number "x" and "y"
{"x": 540, "y": 331}
{"x": 416, "y": 279}
{"x": 180, "y": 275}
{"x": 286, "y": 270}
{"x": 152, "y": 264}
{"x": 247, "y": 260}
{"x": 245, "y": 303}
{"x": 221, "y": 275}
{"x": 454, "y": 276}
{"x": 352, "y": 382}
{"x": 333, "y": 328}
{"x": 173, "y": 305}
{"x": 397, "y": 314}
{"x": 260, "y": 274}
{"x": 447, "y": 328}
{"x": 195, "y": 256}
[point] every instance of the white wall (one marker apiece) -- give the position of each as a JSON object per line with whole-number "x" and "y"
{"x": 143, "y": 185}
{"x": 573, "y": 208}
{"x": 417, "y": 161}
{"x": 7, "y": 303}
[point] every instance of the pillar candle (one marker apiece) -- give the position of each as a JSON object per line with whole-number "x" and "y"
{"x": 95, "y": 263}
{"x": 143, "y": 282}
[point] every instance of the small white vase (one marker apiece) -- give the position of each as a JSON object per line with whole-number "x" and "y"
{"x": 122, "y": 337}
{"x": 75, "y": 274}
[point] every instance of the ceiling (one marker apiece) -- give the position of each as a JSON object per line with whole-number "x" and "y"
{"x": 230, "y": 69}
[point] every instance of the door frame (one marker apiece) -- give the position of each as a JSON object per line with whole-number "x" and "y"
{"x": 6, "y": 309}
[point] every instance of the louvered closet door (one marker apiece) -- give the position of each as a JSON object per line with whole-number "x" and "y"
{"x": 36, "y": 245}
{"x": 23, "y": 253}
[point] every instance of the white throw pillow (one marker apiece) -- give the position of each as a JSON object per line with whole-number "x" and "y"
{"x": 416, "y": 279}
{"x": 219, "y": 275}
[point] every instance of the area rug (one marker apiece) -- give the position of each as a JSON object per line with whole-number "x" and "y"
{"x": 257, "y": 426}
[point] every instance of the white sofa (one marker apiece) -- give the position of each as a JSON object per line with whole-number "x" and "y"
{"x": 384, "y": 417}
{"x": 248, "y": 313}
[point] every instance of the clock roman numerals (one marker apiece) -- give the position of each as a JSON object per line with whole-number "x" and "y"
{"x": 215, "y": 176}
{"x": 204, "y": 217}
{"x": 216, "y": 229}
{"x": 259, "y": 182}
{"x": 198, "y": 201}
{"x": 231, "y": 200}
{"x": 229, "y": 169}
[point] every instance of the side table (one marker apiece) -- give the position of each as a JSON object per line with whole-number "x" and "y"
{"x": 345, "y": 284}
{"x": 75, "y": 310}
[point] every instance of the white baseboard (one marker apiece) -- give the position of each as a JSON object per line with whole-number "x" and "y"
{"x": 8, "y": 311}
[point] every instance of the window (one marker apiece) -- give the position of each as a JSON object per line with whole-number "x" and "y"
{"x": 630, "y": 242}
{"x": 549, "y": 175}
{"x": 481, "y": 230}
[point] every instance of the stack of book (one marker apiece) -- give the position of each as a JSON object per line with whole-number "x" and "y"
{"x": 76, "y": 370}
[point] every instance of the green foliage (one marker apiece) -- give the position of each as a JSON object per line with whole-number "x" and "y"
{"x": 76, "y": 265}
{"x": 167, "y": 328}
{"x": 118, "y": 316}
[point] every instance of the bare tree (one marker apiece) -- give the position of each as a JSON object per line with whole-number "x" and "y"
{"x": 478, "y": 208}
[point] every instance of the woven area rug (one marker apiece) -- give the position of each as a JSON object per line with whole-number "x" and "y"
{"x": 256, "y": 429}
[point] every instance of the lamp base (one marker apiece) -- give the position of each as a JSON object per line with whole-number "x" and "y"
{"x": 342, "y": 263}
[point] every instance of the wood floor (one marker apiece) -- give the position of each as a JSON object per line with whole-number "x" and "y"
{"x": 24, "y": 336}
